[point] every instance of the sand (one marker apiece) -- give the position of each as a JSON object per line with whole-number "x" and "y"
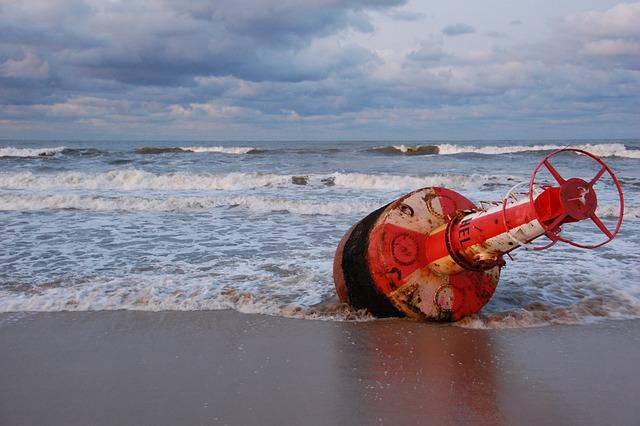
{"x": 223, "y": 367}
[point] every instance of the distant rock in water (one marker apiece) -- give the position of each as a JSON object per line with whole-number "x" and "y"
{"x": 299, "y": 180}
{"x": 157, "y": 150}
{"x": 407, "y": 150}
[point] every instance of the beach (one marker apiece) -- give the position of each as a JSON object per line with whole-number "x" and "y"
{"x": 167, "y": 283}
{"x": 254, "y": 213}
{"x": 224, "y": 367}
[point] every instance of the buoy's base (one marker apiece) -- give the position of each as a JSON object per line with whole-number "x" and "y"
{"x": 381, "y": 262}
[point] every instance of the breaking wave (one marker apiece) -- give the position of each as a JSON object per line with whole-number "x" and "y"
{"x": 170, "y": 293}
{"x": 180, "y": 204}
{"x": 35, "y": 201}
{"x": 223, "y": 149}
{"x": 30, "y": 152}
{"x": 601, "y": 150}
{"x": 132, "y": 180}
{"x": 613, "y": 211}
{"x": 396, "y": 182}
{"x": 620, "y": 306}
{"x": 161, "y": 294}
{"x": 196, "y": 149}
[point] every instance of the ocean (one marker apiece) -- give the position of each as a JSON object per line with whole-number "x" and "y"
{"x": 157, "y": 225}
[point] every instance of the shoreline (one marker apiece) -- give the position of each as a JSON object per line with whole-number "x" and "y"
{"x": 225, "y": 367}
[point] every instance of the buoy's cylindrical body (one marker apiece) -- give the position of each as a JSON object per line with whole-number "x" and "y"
{"x": 432, "y": 255}
{"x": 382, "y": 262}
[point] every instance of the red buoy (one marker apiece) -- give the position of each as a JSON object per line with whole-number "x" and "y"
{"x": 433, "y": 254}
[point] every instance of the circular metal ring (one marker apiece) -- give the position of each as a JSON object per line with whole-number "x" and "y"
{"x": 560, "y": 180}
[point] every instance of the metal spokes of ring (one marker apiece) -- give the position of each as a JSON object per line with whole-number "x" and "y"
{"x": 550, "y": 229}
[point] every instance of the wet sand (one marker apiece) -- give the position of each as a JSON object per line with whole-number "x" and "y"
{"x": 223, "y": 367}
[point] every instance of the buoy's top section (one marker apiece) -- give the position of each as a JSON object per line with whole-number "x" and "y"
{"x": 578, "y": 199}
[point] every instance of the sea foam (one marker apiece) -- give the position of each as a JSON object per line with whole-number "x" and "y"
{"x": 220, "y": 149}
{"x": 134, "y": 179}
{"x": 29, "y": 152}
{"x": 25, "y": 202}
{"x": 601, "y": 150}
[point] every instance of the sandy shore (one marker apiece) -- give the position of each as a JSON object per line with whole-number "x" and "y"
{"x": 229, "y": 368}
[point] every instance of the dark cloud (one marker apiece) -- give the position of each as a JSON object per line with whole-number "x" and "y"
{"x": 153, "y": 68}
{"x": 169, "y": 42}
{"x": 458, "y": 29}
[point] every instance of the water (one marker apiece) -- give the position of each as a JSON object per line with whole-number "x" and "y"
{"x": 253, "y": 226}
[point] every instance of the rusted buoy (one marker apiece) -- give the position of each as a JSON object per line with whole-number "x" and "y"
{"x": 433, "y": 254}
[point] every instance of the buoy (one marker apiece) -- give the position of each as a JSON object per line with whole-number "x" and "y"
{"x": 433, "y": 254}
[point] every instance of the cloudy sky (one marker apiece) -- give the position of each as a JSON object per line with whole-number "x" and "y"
{"x": 319, "y": 69}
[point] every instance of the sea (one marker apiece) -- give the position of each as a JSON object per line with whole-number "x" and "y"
{"x": 253, "y": 226}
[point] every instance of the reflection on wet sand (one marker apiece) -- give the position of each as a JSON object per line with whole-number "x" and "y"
{"x": 416, "y": 373}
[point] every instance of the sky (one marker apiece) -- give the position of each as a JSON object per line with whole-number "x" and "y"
{"x": 319, "y": 69}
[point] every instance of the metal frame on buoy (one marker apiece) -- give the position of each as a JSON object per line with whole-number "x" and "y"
{"x": 432, "y": 254}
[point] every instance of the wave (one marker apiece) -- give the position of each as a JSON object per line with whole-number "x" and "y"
{"x": 607, "y": 211}
{"x": 134, "y": 179}
{"x": 24, "y": 202}
{"x": 223, "y": 149}
{"x": 31, "y": 201}
{"x": 315, "y": 302}
{"x": 618, "y": 306}
{"x": 197, "y": 149}
{"x": 161, "y": 294}
{"x": 397, "y": 182}
{"x": 30, "y": 152}
{"x": 601, "y": 150}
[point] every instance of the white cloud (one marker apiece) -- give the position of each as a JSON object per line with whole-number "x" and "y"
{"x": 616, "y": 47}
{"x": 619, "y": 21}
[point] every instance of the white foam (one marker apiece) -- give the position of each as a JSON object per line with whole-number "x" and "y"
{"x": 395, "y": 182}
{"x": 19, "y": 202}
{"x": 619, "y": 306}
{"x": 29, "y": 152}
{"x": 288, "y": 290}
{"x": 133, "y": 180}
{"x": 601, "y": 150}
{"x": 614, "y": 211}
{"x": 221, "y": 149}
{"x": 164, "y": 294}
